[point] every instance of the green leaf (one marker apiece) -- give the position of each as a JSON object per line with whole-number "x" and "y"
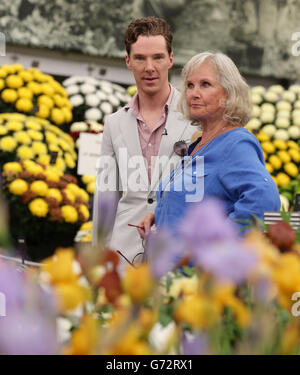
{"x": 165, "y": 314}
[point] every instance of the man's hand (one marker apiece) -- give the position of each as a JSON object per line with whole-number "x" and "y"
{"x": 146, "y": 223}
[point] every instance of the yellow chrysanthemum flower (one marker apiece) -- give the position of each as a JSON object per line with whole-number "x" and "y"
{"x": 26, "y": 76}
{"x": 70, "y": 195}
{"x": 8, "y": 143}
{"x": 33, "y": 125}
{"x": 84, "y": 211}
{"x": 38, "y": 207}
{"x": 91, "y": 186}
{"x": 45, "y": 159}
{"x": 88, "y": 226}
{"x": 32, "y": 167}
{"x": 35, "y": 135}
{"x": 43, "y": 111}
{"x": 69, "y": 161}
{"x": 46, "y": 100}
{"x": 83, "y": 195}
{"x": 8, "y": 68}
{"x": 86, "y": 179}
{"x": 63, "y": 144}
{"x": 54, "y": 193}
{"x": 14, "y": 81}
{"x": 9, "y": 95}
{"x": 67, "y": 113}
{"x": 47, "y": 89}
{"x": 24, "y": 105}
{"x": 34, "y": 87}
{"x": 25, "y": 152}
{"x": 50, "y": 137}
{"x": 22, "y": 137}
{"x": 3, "y": 130}
{"x": 58, "y": 100}
{"x": 18, "y": 67}
{"x": 39, "y": 187}
{"x": 12, "y": 166}
{"x": 57, "y": 116}
{"x": 60, "y": 164}
{"x": 138, "y": 282}
{"x": 2, "y": 84}
{"x": 39, "y": 148}
{"x": 73, "y": 188}
{"x": 3, "y": 73}
{"x": 13, "y": 116}
{"x": 14, "y": 125}
{"x": 69, "y": 214}
{"x": 18, "y": 187}
{"x": 24, "y": 92}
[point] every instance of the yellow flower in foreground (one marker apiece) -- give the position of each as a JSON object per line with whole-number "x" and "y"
{"x": 45, "y": 100}
{"x": 8, "y": 143}
{"x": 60, "y": 266}
{"x": 86, "y": 179}
{"x": 69, "y": 214}
{"x": 67, "y": 114}
{"x": 84, "y": 211}
{"x": 34, "y": 125}
{"x": 54, "y": 193}
{"x": 33, "y": 168}
{"x": 45, "y": 159}
{"x": 26, "y": 76}
{"x": 43, "y": 111}
{"x": 83, "y": 195}
{"x": 34, "y": 87}
{"x": 50, "y": 137}
{"x": 70, "y": 295}
{"x": 138, "y": 282}
{"x": 197, "y": 311}
{"x": 24, "y": 105}
{"x": 9, "y": 95}
{"x": 69, "y": 161}
{"x": 87, "y": 226}
{"x": 12, "y": 166}
{"x": 39, "y": 187}
{"x": 184, "y": 285}
{"x": 91, "y": 187}
{"x": 38, "y": 207}
{"x": 14, "y": 81}
{"x": 18, "y": 187}
{"x": 50, "y": 173}
{"x": 84, "y": 338}
{"x": 2, "y": 84}
{"x": 25, "y": 152}
{"x": 35, "y": 135}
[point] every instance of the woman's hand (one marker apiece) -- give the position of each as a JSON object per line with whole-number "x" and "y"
{"x": 146, "y": 223}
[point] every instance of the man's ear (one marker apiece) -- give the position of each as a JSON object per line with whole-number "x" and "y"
{"x": 171, "y": 60}
{"x": 127, "y": 59}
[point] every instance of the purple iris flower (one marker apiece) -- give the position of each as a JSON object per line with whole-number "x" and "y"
{"x": 194, "y": 344}
{"x": 205, "y": 223}
{"x": 227, "y": 260}
{"x": 163, "y": 252}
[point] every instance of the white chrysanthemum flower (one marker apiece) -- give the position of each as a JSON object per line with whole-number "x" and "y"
{"x": 269, "y": 129}
{"x": 118, "y": 87}
{"x": 258, "y": 90}
{"x": 255, "y": 111}
{"x": 256, "y": 98}
{"x": 282, "y": 134}
{"x": 92, "y": 100}
{"x": 289, "y": 96}
{"x": 283, "y": 113}
{"x": 113, "y": 100}
{"x": 101, "y": 95}
{"x": 283, "y": 105}
{"x": 268, "y": 107}
{"x": 106, "y": 108}
{"x": 96, "y": 127}
{"x": 253, "y": 124}
{"x": 71, "y": 81}
{"x": 93, "y": 114}
{"x": 106, "y": 87}
{"x": 294, "y": 132}
{"x": 79, "y": 127}
{"x": 160, "y": 336}
{"x": 267, "y": 117}
{"x": 282, "y": 122}
{"x": 271, "y": 96}
{"x": 278, "y": 89}
{"x": 72, "y": 90}
{"x": 76, "y": 100}
{"x": 87, "y": 88}
{"x": 296, "y": 121}
{"x": 63, "y": 327}
{"x": 77, "y": 143}
{"x": 92, "y": 81}
{"x": 297, "y": 104}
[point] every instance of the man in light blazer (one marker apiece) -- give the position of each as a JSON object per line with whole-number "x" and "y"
{"x": 137, "y": 148}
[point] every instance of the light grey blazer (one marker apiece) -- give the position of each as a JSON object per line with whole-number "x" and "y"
{"x": 121, "y": 138}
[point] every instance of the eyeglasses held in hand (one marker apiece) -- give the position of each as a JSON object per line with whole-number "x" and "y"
{"x": 180, "y": 148}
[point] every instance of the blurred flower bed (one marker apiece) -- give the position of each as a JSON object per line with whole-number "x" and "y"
{"x": 31, "y": 138}
{"x": 276, "y": 123}
{"x": 34, "y": 93}
{"x": 46, "y": 207}
{"x": 209, "y": 291}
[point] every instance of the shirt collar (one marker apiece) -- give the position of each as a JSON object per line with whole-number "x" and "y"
{"x": 134, "y": 102}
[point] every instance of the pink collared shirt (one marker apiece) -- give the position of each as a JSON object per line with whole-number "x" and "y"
{"x": 150, "y": 140}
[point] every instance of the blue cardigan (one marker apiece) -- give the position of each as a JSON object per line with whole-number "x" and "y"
{"x": 232, "y": 168}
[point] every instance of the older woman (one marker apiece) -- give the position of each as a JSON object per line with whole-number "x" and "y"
{"x": 226, "y": 161}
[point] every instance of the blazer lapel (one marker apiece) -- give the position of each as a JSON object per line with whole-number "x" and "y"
{"x": 128, "y": 129}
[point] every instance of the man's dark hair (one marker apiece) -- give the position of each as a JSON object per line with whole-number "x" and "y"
{"x": 148, "y": 26}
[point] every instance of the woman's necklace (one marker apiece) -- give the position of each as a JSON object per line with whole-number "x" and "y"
{"x": 197, "y": 153}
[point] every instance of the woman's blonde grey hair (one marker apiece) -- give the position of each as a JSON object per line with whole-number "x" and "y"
{"x": 238, "y": 105}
